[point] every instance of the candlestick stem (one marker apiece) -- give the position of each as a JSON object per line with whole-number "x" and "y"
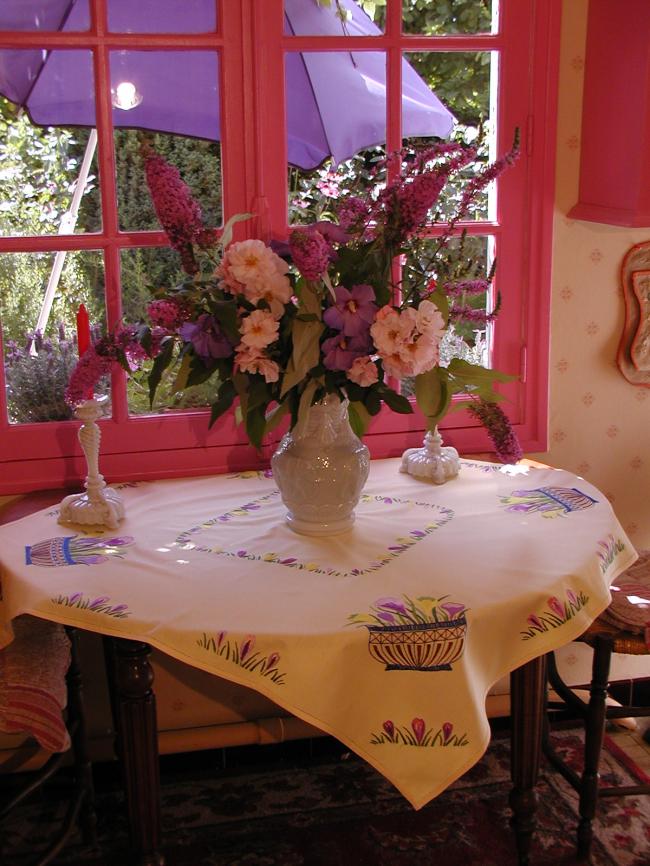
{"x": 99, "y": 505}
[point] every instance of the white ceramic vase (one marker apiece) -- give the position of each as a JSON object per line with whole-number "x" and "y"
{"x": 321, "y": 470}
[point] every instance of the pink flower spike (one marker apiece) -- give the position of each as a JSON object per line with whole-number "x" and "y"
{"x": 556, "y": 606}
{"x": 447, "y": 728}
{"x": 310, "y": 252}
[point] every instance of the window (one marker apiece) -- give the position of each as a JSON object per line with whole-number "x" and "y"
{"x": 233, "y": 60}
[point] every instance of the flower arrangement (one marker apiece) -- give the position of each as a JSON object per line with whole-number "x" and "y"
{"x": 278, "y": 326}
{"x": 424, "y": 610}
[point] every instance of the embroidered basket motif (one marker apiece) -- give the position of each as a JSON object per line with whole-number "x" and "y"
{"x": 431, "y": 646}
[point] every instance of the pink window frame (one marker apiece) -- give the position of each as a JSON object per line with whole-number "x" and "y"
{"x": 251, "y": 46}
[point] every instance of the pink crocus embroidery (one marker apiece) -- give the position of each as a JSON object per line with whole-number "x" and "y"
{"x": 419, "y": 728}
{"x": 246, "y": 647}
{"x": 556, "y": 606}
{"x": 389, "y": 728}
{"x": 447, "y": 729}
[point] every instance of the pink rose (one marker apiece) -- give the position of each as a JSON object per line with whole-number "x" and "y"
{"x": 363, "y": 371}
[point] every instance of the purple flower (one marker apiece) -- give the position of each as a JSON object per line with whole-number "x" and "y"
{"x": 206, "y": 337}
{"x": 353, "y": 312}
{"x": 570, "y": 594}
{"x": 77, "y": 596}
{"x": 340, "y": 351}
{"x": 98, "y": 601}
{"x": 391, "y": 604}
{"x": 389, "y": 727}
{"x": 447, "y": 728}
{"x": 452, "y": 610}
{"x": 387, "y": 617}
{"x": 419, "y": 728}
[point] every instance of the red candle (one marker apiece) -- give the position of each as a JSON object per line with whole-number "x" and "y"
{"x": 83, "y": 337}
{"x": 83, "y": 330}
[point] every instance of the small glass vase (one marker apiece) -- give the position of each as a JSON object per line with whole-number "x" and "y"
{"x": 321, "y": 470}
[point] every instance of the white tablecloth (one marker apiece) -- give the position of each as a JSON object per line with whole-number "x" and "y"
{"x": 388, "y": 636}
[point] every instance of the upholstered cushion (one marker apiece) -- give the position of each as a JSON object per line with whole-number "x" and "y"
{"x": 32, "y": 682}
{"x": 630, "y": 605}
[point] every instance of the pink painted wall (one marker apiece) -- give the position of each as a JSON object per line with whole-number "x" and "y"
{"x": 599, "y": 423}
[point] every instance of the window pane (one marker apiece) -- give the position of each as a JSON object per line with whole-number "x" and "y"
{"x": 447, "y": 17}
{"x": 44, "y": 15}
{"x": 150, "y": 92}
{"x": 162, "y": 16}
{"x": 465, "y": 83}
{"x": 142, "y": 271}
{"x": 338, "y": 18}
{"x": 47, "y": 183}
{"x": 459, "y": 264}
{"x": 36, "y": 378}
{"x": 332, "y": 143}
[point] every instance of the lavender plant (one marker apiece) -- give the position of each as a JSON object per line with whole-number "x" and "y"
{"x": 36, "y": 381}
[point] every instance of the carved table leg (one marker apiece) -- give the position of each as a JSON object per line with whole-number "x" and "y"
{"x": 528, "y": 706}
{"x": 134, "y": 708}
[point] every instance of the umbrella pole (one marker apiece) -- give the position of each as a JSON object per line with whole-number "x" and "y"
{"x": 67, "y": 225}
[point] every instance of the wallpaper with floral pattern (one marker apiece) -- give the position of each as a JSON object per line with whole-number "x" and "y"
{"x": 599, "y": 422}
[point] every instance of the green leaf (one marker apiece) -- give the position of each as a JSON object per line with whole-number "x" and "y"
{"x": 275, "y": 416}
{"x": 473, "y": 374}
{"x": 259, "y": 397}
{"x": 180, "y": 382}
{"x": 225, "y": 312}
{"x": 198, "y": 373}
{"x": 396, "y": 402}
{"x": 359, "y": 418}
{"x": 143, "y": 336}
{"x": 306, "y": 399}
{"x": 224, "y": 401}
{"x": 160, "y": 364}
{"x": 226, "y": 235}
{"x": 255, "y": 425}
{"x": 305, "y": 354}
{"x": 433, "y": 395}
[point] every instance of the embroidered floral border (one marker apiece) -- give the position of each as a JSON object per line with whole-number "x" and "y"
{"x": 437, "y": 516}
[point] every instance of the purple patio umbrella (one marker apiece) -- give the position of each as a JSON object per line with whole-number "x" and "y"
{"x": 336, "y": 101}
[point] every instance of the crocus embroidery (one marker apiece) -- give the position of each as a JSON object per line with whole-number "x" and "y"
{"x": 556, "y": 613}
{"x": 418, "y": 734}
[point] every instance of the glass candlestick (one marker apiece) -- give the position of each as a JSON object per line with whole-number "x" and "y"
{"x": 432, "y": 462}
{"x": 99, "y": 505}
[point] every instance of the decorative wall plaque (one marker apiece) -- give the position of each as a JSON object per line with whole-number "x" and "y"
{"x": 634, "y": 349}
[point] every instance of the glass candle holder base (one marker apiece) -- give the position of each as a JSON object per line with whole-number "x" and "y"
{"x": 432, "y": 462}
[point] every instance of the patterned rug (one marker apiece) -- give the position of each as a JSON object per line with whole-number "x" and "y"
{"x": 334, "y": 810}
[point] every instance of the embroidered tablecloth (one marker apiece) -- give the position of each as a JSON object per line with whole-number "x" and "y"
{"x": 388, "y": 636}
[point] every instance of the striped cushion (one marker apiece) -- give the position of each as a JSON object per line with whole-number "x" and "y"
{"x": 32, "y": 682}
